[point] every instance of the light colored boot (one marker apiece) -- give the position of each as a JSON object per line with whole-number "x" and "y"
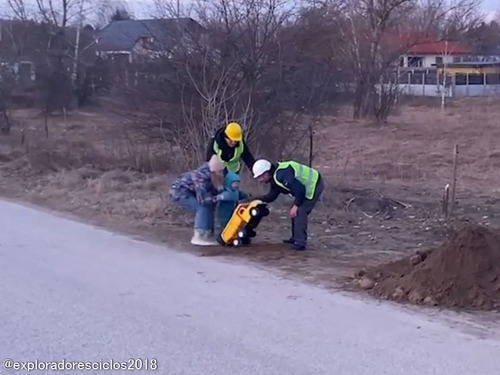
{"x": 210, "y": 237}
{"x": 200, "y": 238}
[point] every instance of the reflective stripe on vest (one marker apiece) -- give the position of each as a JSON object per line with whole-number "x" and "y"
{"x": 232, "y": 165}
{"x": 307, "y": 176}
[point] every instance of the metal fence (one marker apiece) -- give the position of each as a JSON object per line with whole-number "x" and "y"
{"x": 433, "y": 84}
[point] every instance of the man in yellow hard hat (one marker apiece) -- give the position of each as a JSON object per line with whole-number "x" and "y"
{"x": 229, "y": 145}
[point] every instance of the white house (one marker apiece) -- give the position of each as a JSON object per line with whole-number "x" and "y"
{"x": 430, "y": 54}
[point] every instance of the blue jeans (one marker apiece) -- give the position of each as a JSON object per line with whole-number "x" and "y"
{"x": 204, "y": 215}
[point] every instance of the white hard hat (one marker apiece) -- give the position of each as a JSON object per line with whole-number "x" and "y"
{"x": 260, "y": 167}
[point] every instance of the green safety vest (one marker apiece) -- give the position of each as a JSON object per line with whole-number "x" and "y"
{"x": 307, "y": 176}
{"x": 232, "y": 165}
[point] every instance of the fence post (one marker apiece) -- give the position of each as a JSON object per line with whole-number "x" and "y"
{"x": 423, "y": 83}
{"x": 454, "y": 181}
{"x": 453, "y": 85}
{"x": 446, "y": 200}
{"x": 437, "y": 81}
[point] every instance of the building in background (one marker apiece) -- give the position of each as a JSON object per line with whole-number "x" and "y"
{"x": 429, "y": 54}
{"x": 135, "y": 40}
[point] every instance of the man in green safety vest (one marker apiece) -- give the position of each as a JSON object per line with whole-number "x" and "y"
{"x": 229, "y": 145}
{"x": 305, "y": 184}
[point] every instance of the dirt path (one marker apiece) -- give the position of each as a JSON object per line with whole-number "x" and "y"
{"x": 369, "y": 213}
{"x": 341, "y": 242}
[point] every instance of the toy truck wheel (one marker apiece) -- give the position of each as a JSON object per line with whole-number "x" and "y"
{"x": 220, "y": 240}
{"x": 254, "y": 212}
{"x": 246, "y": 241}
{"x": 265, "y": 211}
{"x": 241, "y": 234}
{"x": 236, "y": 242}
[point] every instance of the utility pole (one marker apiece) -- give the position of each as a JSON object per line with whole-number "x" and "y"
{"x": 75, "y": 59}
{"x": 74, "y": 74}
{"x": 443, "y": 88}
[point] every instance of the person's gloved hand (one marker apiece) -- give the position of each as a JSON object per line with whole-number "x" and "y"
{"x": 212, "y": 199}
{"x": 246, "y": 199}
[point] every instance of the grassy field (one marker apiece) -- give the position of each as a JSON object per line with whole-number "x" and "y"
{"x": 98, "y": 166}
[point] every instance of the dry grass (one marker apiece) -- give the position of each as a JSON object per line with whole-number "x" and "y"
{"x": 101, "y": 153}
{"x": 93, "y": 164}
{"x": 103, "y": 140}
{"x": 98, "y": 166}
{"x": 416, "y": 147}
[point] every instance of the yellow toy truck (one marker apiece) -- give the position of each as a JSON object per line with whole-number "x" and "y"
{"x": 241, "y": 227}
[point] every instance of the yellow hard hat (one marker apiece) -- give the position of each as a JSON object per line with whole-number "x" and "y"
{"x": 234, "y": 132}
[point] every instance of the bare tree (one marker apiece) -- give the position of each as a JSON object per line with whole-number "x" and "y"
{"x": 366, "y": 24}
{"x": 61, "y": 13}
{"x": 58, "y": 47}
{"x": 174, "y": 8}
{"x": 262, "y": 63}
{"x": 449, "y": 21}
{"x": 19, "y": 9}
{"x": 120, "y": 15}
{"x": 105, "y": 9}
{"x": 369, "y": 26}
{"x": 225, "y": 73}
{"x": 6, "y": 86}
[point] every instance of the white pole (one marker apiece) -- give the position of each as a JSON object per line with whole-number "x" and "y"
{"x": 75, "y": 60}
{"x": 443, "y": 88}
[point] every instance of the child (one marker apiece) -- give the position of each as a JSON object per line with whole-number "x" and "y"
{"x": 228, "y": 200}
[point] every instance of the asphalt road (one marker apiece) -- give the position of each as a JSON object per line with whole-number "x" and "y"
{"x": 70, "y": 291}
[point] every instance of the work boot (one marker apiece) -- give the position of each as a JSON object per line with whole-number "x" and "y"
{"x": 200, "y": 238}
{"x": 289, "y": 241}
{"x": 298, "y": 247}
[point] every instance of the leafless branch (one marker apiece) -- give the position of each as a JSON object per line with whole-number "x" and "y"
{"x": 18, "y": 7}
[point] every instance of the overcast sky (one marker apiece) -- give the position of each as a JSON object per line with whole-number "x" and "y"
{"x": 491, "y": 4}
{"x": 145, "y": 8}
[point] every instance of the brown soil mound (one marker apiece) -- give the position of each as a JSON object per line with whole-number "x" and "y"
{"x": 464, "y": 272}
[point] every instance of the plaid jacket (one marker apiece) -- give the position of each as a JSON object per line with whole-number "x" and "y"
{"x": 197, "y": 182}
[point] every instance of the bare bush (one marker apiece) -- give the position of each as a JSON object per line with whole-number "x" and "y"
{"x": 259, "y": 63}
{"x": 275, "y": 68}
{"x": 59, "y": 53}
{"x": 375, "y": 33}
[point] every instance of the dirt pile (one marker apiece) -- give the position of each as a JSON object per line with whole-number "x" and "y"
{"x": 464, "y": 272}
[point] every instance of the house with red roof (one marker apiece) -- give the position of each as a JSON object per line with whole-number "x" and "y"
{"x": 429, "y": 54}
{"x": 425, "y": 60}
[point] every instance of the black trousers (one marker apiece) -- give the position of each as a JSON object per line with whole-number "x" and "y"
{"x": 299, "y": 223}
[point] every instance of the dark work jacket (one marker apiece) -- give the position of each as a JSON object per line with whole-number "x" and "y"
{"x": 228, "y": 152}
{"x": 287, "y": 178}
